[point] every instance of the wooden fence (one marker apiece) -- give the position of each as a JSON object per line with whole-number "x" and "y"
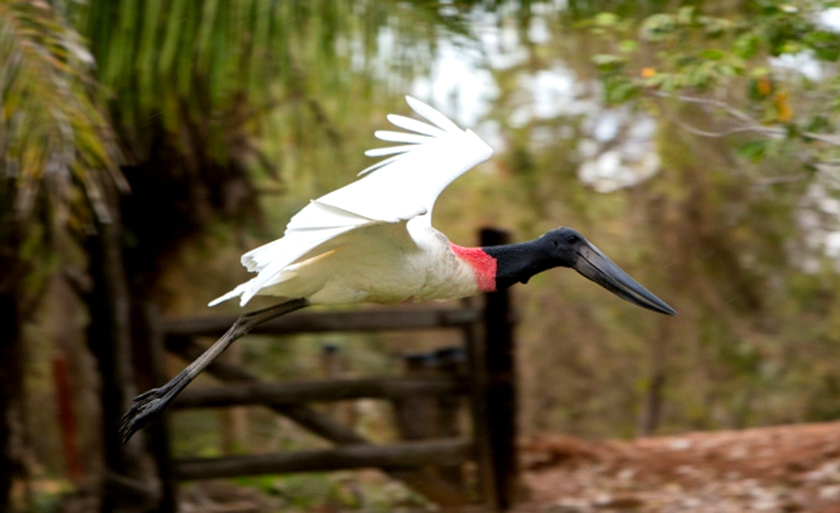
{"x": 431, "y": 455}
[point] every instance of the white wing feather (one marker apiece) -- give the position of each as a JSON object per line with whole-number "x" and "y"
{"x": 395, "y": 190}
{"x": 415, "y": 126}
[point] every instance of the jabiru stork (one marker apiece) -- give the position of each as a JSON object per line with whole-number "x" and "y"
{"x": 373, "y": 241}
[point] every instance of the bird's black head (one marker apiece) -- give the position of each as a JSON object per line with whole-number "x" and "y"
{"x": 565, "y": 247}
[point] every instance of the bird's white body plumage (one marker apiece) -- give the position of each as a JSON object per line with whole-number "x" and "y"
{"x": 372, "y": 240}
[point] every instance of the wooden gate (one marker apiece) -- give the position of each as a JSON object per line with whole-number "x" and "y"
{"x": 486, "y": 378}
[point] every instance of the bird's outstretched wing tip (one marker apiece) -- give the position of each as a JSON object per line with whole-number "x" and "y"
{"x": 417, "y": 105}
{"x": 432, "y": 115}
{"x": 435, "y": 125}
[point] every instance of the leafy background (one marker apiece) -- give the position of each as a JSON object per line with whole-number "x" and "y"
{"x": 694, "y": 143}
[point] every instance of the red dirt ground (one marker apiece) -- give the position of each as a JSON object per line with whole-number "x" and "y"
{"x": 784, "y": 468}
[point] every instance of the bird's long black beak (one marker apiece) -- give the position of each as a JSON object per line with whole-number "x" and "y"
{"x": 597, "y": 267}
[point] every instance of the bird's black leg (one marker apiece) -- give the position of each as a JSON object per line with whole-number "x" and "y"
{"x": 147, "y": 404}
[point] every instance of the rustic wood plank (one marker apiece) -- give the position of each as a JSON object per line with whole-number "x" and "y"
{"x": 291, "y": 393}
{"x": 452, "y": 363}
{"x": 417, "y": 414}
{"x": 380, "y": 319}
{"x": 304, "y": 416}
{"x": 159, "y": 441}
{"x": 404, "y": 455}
{"x": 477, "y": 356}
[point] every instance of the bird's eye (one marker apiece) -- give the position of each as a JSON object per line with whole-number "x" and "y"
{"x": 572, "y": 238}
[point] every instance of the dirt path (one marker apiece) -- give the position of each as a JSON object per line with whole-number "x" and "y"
{"x": 785, "y": 468}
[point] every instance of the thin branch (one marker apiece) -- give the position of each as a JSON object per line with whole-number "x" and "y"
{"x": 832, "y": 140}
{"x": 743, "y": 116}
{"x": 752, "y": 125}
{"x": 779, "y": 180}
{"x": 731, "y": 131}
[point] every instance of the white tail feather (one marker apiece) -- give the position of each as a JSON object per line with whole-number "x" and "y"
{"x": 238, "y": 291}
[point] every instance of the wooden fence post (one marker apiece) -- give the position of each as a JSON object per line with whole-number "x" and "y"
{"x": 158, "y": 430}
{"x": 417, "y": 415}
{"x": 333, "y": 367}
{"x": 441, "y": 492}
{"x": 451, "y": 362}
{"x": 478, "y": 379}
{"x": 501, "y": 385}
{"x": 432, "y": 413}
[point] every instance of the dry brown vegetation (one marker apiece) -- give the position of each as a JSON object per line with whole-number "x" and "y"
{"x": 782, "y": 468}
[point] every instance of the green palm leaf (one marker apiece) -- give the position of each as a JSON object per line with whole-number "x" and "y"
{"x": 53, "y": 140}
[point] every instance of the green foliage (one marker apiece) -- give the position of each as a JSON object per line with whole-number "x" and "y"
{"x": 713, "y": 232}
{"x": 344, "y": 491}
{"x": 719, "y": 230}
{"x": 753, "y": 150}
{"x": 56, "y": 146}
{"x": 219, "y": 69}
{"x": 58, "y": 156}
{"x": 718, "y": 61}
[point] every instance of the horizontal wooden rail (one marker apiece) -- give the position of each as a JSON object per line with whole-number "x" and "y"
{"x": 403, "y": 455}
{"x": 381, "y": 319}
{"x": 317, "y": 391}
{"x": 322, "y": 425}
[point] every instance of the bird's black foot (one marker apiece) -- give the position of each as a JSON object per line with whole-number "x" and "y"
{"x": 146, "y": 406}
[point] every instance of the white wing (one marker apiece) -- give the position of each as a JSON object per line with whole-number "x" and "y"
{"x": 395, "y": 190}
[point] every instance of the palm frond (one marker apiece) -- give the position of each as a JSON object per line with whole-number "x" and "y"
{"x": 53, "y": 139}
{"x": 197, "y": 64}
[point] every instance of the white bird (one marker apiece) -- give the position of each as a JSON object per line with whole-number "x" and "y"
{"x": 373, "y": 241}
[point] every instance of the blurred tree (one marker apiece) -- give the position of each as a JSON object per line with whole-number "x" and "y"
{"x": 732, "y": 229}
{"x": 763, "y": 78}
{"x": 767, "y": 72}
{"x": 58, "y": 163}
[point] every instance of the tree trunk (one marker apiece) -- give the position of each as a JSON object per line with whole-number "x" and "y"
{"x": 652, "y": 413}
{"x": 11, "y": 348}
{"x": 10, "y": 392}
{"x": 125, "y": 488}
{"x": 649, "y": 420}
